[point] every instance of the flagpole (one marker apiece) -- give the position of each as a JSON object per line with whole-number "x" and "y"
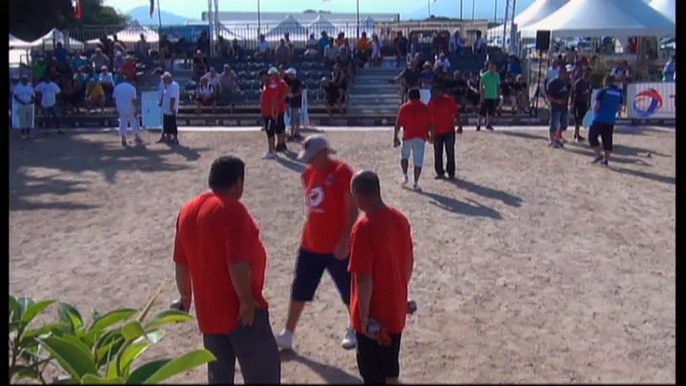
{"x": 495, "y": 12}
{"x": 159, "y": 15}
{"x": 473, "y": 7}
{"x": 428, "y": 3}
{"x": 259, "y": 18}
{"x": 461, "y": 8}
{"x": 358, "y": 19}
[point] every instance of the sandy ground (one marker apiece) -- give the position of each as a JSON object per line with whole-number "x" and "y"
{"x": 534, "y": 267}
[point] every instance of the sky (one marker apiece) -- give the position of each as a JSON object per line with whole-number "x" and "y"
{"x": 193, "y": 9}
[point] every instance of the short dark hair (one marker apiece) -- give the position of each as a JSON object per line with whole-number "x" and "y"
{"x": 414, "y": 94}
{"x": 366, "y": 183}
{"x": 225, "y": 172}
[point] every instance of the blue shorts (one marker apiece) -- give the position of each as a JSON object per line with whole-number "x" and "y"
{"x": 309, "y": 268}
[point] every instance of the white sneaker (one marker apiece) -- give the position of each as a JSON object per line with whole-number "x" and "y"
{"x": 269, "y": 155}
{"x": 349, "y": 341}
{"x": 417, "y": 187}
{"x": 405, "y": 180}
{"x": 285, "y": 340}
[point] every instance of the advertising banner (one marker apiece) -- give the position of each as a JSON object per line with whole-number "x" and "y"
{"x": 652, "y": 100}
{"x": 151, "y": 112}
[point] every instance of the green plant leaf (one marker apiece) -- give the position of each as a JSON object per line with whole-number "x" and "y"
{"x": 15, "y": 310}
{"x": 127, "y": 356}
{"x": 95, "y": 314}
{"x": 78, "y": 343}
{"x": 70, "y": 356}
{"x": 93, "y": 380}
{"x": 66, "y": 381}
{"x": 167, "y": 317}
{"x": 142, "y": 373}
{"x": 24, "y": 304}
{"x": 151, "y": 302}
{"x": 34, "y": 310}
{"x": 112, "y": 318}
{"x": 153, "y": 336}
{"x": 111, "y": 349}
{"x": 91, "y": 337}
{"x": 24, "y": 372}
{"x": 14, "y": 325}
{"x": 132, "y": 331}
{"x": 29, "y": 336}
{"x": 69, "y": 314}
{"x": 185, "y": 362}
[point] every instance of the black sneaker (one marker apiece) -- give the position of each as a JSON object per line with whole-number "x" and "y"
{"x": 282, "y": 147}
{"x": 451, "y": 176}
{"x": 174, "y": 141}
{"x": 162, "y": 139}
{"x": 578, "y": 138}
{"x": 604, "y": 163}
{"x": 439, "y": 177}
{"x": 597, "y": 159}
{"x": 489, "y": 127}
{"x": 478, "y": 128}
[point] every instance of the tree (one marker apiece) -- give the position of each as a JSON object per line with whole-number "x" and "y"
{"x": 31, "y": 19}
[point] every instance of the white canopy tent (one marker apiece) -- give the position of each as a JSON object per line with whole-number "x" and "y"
{"x": 539, "y": 10}
{"x": 290, "y": 26}
{"x": 16, "y": 43}
{"x": 131, "y": 34}
{"x": 617, "y": 18}
{"x": 320, "y": 23}
{"x": 54, "y": 37}
{"x": 368, "y": 24}
{"x": 665, "y": 7}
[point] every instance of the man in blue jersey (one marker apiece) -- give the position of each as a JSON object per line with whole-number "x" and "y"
{"x": 607, "y": 104}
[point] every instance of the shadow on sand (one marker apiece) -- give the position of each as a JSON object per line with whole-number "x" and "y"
{"x": 330, "y": 374}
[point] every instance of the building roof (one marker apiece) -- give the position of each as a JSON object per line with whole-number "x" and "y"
{"x": 274, "y": 18}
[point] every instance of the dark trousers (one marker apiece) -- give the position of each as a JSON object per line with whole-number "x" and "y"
{"x": 254, "y": 347}
{"x": 169, "y": 125}
{"x": 444, "y": 141}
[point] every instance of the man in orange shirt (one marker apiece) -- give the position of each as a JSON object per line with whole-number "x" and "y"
{"x": 418, "y": 127}
{"x": 381, "y": 262}
{"x": 282, "y": 91}
{"x": 269, "y": 108}
{"x": 363, "y": 50}
{"x": 444, "y": 112}
{"x": 221, "y": 260}
{"x": 331, "y": 213}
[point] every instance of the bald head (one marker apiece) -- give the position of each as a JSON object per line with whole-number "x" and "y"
{"x": 366, "y": 183}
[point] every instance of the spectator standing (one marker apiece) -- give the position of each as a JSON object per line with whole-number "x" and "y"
{"x": 203, "y": 43}
{"x": 126, "y": 99}
{"x": 287, "y": 40}
{"x": 295, "y": 102}
{"x": 442, "y": 63}
{"x": 24, "y": 96}
{"x": 474, "y": 89}
{"x": 376, "y": 51}
{"x": 166, "y": 54}
{"x": 480, "y": 44}
{"x": 445, "y": 115}
{"x": 363, "y": 50}
{"x": 200, "y": 63}
{"x": 220, "y": 267}
{"x": 582, "y": 92}
{"x": 106, "y": 43}
{"x": 95, "y": 95}
{"x": 521, "y": 89}
{"x": 48, "y": 91}
{"x": 325, "y": 243}
{"x": 98, "y": 60}
{"x": 106, "y": 79}
{"x": 312, "y": 46}
{"x": 402, "y": 47}
{"x": 228, "y": 85}
{"x": 142, "y": 47}
{"x": 77, "y": 61}
{"x": 222, "y": 47}
{"x": 427, "y": 77}
{"x": 237, "y": 49}
{"x": 283, "y": 54}
{"x": 331, "y": 53}
{"x": 411, "y": 78}
{"x": 507, "y": 95}
{"x": 489, "y": 96}
{"x": 345, "y": 63}
{"x": 332, "y": 96}
{"x": 440, "y": 43}
{"x": 263, "y": 49}
{"x": 558, "y": 92}
{"x": 60, "y": 53}
{"x": 341, "y": 79}
{"x": 608, "y": 104}
{"x": 414, "y": 117}
{"x": 324, "y": 41}
{"x": 455, "y": 43}
{"x": 381, "y": 264}
{"x": 170, "y": 108}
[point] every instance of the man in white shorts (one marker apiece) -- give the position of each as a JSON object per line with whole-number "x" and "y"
{"x": 126, "y": 98}
{"x": 417, "y": 123}
{"x": 24, "y": 96}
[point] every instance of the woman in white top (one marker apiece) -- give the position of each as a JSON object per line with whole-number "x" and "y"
{"x": 24, "y": 95}
{"x": 376, "y": 51}
{"x": 207, "y": 95}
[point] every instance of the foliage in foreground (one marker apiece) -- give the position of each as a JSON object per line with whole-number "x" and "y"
{"x": 102, "y": 352}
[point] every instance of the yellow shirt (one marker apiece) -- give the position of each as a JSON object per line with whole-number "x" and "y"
{"x": 95, "y": 91}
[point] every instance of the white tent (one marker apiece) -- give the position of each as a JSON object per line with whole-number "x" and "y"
{"x": 368, "y": 23}
{"x": 665, "y": 7}
{"x": 290, "y": 26}
{"x": 132, "y": 34}
{"x": 539, "y": 10}
{"x": 617, "y": 18}
{"x": 54, "y": 37}
{"x": 19, "y": 44}
{"x": 320, "y": 23}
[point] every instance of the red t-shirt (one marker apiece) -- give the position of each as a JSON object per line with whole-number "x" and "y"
{"x": 212, "y": 232}
{"x": 443, "y": 111}
{"x": 414, "y": 117}
{"x": 270, "y": 91}
{"x": 283, "y": 93}
{"x": 327, "y": 207}
{"x": 381, "y": 246}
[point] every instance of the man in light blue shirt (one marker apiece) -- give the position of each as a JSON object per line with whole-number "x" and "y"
{"x": 608, "y": 103}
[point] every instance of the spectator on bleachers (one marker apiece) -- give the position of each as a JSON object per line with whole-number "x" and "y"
{"x": 213, "y": 78}
{"x": 166, "y": 53}
{"x": 237, "y": 50}
{"x": 95, "y": 95}
{"x": 480, "y": 44}
{"x": 203, "y": 43}
{"x": 106, "y": 79}
{"x": 222, "y": 47}
{"x": 200, "y": 62}
{"x": 427, "y": 77}
{"x": 60, "y": 53}
{"x": 68, "y": 97}
{"x": 116, "y": 42}
{"x": 340, "y": 40}
{"x": 332, "y": 96}
{"x": 106, "y": 43}
{"x": 287, "y": 39}
{"x": 341, "y": 78}
{"x": 376, "y": 51}
{"x": 456, "y": 87}
{"x": 47, "y": 92}
{"x": 514, "y": 66}
{"x": 345, "y": 63}
{"x": 283, "y": 54}
{"x": 98, "y": 60}
{"x": 263, "y": 49}
{"x": 507, "y": 95}
{"x": 118, "y": 61}
{"x": 228, "y": 85}
{"x": 331, "y": 54}
{"x": 295, "y": 90}
{"x": 522, "y": 92}
{"x": 552, "y": 73}
{"x": 442, "y": 63}
{"x": 455, "y": 42}
{"x": 180, "y": 51}
{"x": 77, "y": 61}
{"x": 402, "y": 47}
{"x": 411, "y": 77}
{"x": 474, "y": 90}
{"x": 324, "y": 41}
{"x": 363, "y": 50}
{"x": 142, "y": 47}
{"x": 207, "y": 96}
{"x": 312, "y": 46}
{"x": 128, "y": 70}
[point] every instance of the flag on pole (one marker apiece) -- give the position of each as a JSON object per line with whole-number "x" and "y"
{"x": 152, "y": 7}
{"x": 77, "y": 9}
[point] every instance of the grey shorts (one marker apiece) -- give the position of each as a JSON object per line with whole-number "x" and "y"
{"x": 254, "y": 347}
{"x": 295, "y": 116}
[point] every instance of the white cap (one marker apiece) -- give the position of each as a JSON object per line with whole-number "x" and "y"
{"x": 273, "y": 71}
{"x": 292, "y": 71}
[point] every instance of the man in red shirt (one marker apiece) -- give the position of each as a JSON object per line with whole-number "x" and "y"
{"x": 444, "y": 112}
{"x": 273, "y": 108}
{"x": 415, "y": 119}
{"x": 381, "y": 261}
{"x": 281, "y": 111}
{"x": 221, "y": 260}
{"x": 331, "y": 213}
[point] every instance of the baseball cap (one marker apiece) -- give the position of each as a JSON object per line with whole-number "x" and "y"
{"x": 273, "y": 71}
{"x": 292, "y": 71}
{"x": 311, "y": 146}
